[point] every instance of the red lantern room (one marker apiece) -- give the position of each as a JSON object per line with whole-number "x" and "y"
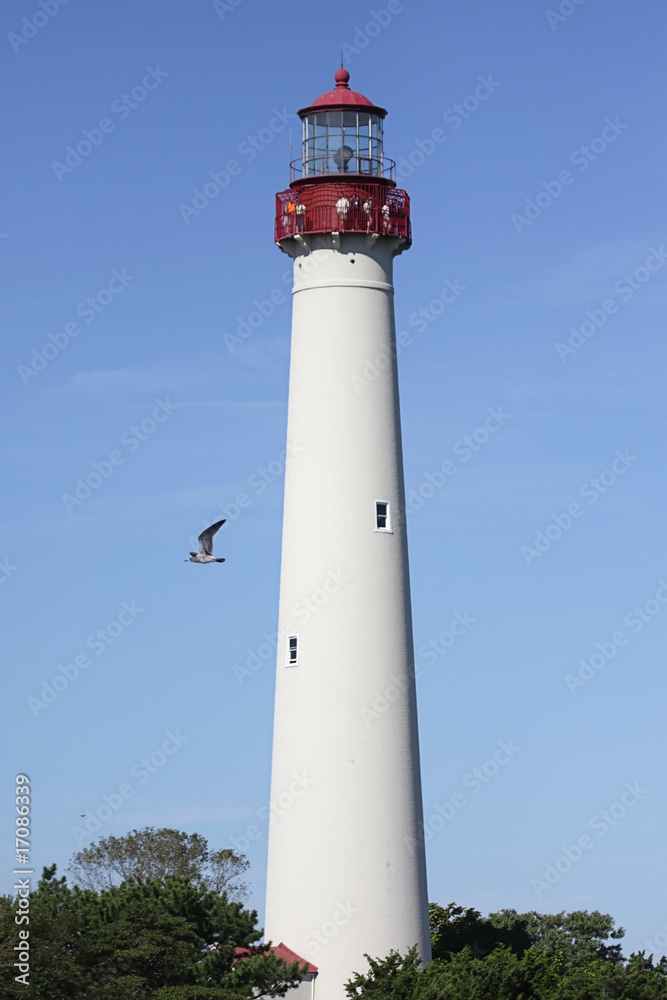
{"x": 342, "y": 182}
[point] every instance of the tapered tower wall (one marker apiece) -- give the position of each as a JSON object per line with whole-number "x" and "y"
{"x": 346, "y": 871}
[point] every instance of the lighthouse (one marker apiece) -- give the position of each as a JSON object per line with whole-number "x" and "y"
{"x": 346, "y": 866}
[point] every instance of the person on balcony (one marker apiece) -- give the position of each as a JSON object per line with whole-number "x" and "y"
{"x": 342, "y": 207}
{"x": 293, "y": 218}
{"x": 386, "y": 221}
{"x": 368, "y": 209}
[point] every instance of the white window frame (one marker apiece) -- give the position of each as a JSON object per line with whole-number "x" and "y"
{"x": 388, "y": 529}
{"x": 289, "y": 662}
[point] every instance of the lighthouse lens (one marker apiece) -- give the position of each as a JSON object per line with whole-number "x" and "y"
{"x": 342, "y": 157}
{"x": 342, "y": 142}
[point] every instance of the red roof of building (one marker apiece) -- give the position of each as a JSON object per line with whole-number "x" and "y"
{"x": 342, "y": 97}
{"x": 280, "y": 951}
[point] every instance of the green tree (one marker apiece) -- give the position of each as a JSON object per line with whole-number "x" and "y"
{"x": 140, "y": 940}
{"x": 515, "y": 956}
{"x": 151, "y": 853}
{"x": 453, "y": 929}
{"x": 55, "y": 926}
{"x": 644, "y": 980}
{"x": 580, "y": 936}
{"x": 394, "y": 978}
{"x": 504, "y": 975}
{"x": 194, "y": 993}
{"x": 500, "y": 975}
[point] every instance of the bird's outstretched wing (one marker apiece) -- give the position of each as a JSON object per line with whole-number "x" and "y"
{"x": 206, "y": 538}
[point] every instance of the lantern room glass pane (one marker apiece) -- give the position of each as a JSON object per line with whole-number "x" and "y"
{"x": 342, "y": 141}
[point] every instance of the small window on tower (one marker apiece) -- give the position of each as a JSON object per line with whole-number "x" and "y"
{"x": 382, "y": 517}
{"x": 292, "y": 650}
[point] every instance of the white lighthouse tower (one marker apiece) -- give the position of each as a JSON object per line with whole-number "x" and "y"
{"x": 346, "y": 870}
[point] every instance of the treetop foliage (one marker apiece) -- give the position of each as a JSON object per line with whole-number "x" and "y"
{"x": 150, "y": 854}
{"x": 166, "y": 938}
{"x": 515, "y": 956}
{"x": 579, "y": 936}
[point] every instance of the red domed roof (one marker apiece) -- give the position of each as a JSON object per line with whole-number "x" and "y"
{"x": 341, "y": 97}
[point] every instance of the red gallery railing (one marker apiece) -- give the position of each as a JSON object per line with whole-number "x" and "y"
{"x": 344, "y": 207}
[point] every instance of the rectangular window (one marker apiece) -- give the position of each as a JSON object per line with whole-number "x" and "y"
{"x": 292, "y": 650}
{"x": 382, "y": 516}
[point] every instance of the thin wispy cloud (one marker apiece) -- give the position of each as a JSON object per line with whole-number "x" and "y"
{"x": 589, "y": 276}
{"x": 141, "y": 379}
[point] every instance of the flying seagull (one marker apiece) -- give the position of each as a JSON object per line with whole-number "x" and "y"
{"x": 205, "y": 554}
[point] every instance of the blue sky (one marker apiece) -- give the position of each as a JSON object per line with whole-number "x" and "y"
{"x": 543, "y": 203}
